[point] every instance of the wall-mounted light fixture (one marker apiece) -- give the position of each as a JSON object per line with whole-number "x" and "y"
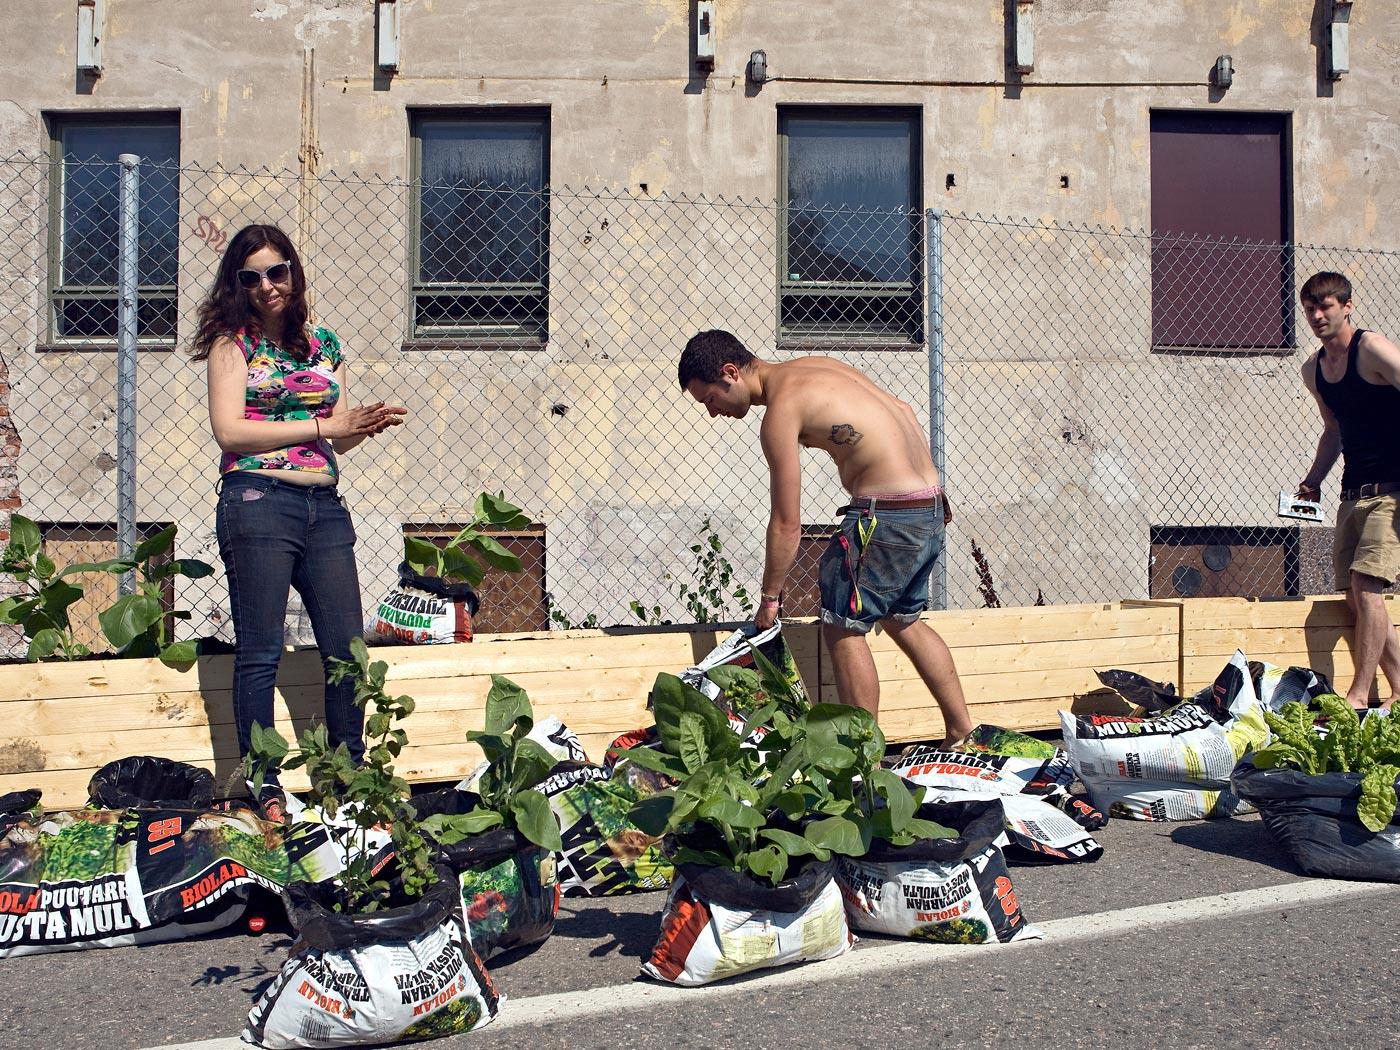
{"x": 1223, "y": 75}
{"x": 757, "y": 69}
{"x": 705, "y": 34}
{"x": 92, "y": 21}
{"x": 1339, "y": 39}
{"x": 386, "y": 45}
{"x": 1024, "y": 59}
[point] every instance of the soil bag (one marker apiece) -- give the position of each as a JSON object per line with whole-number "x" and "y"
{"x": 950, "y": 891}
{"x": 735, "y": 695}
{"x": 146, "y": 781}
{"x": 991, "y": 761}
{"x": 1314, "y": 819}
{"x": 109, "y": 878}
{"x": 367, "y": 979}
{"x": 1174, "y": 766}
{"x": 1035, "y": 831}
{"x": 509, "y": 886}
{"x": 1276, "y": 686}
{"x": 719, "y": 924}
{"x": 604, "y": 852}
{"x": 422, "y": 610}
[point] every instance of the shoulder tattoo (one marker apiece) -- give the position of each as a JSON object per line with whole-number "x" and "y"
{"x": 845, "y": 434}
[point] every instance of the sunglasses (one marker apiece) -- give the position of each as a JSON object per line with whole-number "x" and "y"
{"x": 277, "y": 273}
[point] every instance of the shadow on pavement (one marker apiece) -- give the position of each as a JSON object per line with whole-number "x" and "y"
{"x": 1244, "y": 840}
{"x": 633, "y": 933}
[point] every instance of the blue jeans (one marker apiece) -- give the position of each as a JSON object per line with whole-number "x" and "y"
{"x": 872, "y": 572}
{"x": 272, "y": 536}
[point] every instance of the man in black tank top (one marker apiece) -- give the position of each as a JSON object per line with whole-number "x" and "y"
{"x": 1355, "y": 378}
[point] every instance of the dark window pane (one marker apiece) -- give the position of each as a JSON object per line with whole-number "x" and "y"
{"x": 525, "y": 311}
{"x": 1220, "y": 273}
{"x": 88, "y": 253}
{"x": 850, "y": 200}
{"x": 898, "y": 315}
{"x": 96, "y": 318}
{"x": 482, "y": 211}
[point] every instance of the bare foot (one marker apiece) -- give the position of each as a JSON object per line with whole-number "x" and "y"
{"x": 951, "y": 741}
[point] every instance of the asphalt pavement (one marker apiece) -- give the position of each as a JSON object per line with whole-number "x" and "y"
{"x": 1256, "y": 955}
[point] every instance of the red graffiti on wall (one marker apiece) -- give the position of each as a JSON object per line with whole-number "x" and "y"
{"x": 207, "y": 230}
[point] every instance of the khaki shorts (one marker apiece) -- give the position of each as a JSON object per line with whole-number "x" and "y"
{"x": 1367, "y": 540}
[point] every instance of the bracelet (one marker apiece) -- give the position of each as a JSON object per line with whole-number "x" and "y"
{"x": 317, "y": 421}
{"x": 766, "y": 597}
{"x": 767, "y": 602}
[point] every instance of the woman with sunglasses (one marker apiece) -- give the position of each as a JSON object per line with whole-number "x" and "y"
{"x": 278, "y": 410}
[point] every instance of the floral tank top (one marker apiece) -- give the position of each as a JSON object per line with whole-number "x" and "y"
{"x": 282, "y": 387}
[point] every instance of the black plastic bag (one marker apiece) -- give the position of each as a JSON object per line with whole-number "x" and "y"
{"x": 509, "y": 886}
{"x": 743, "y": 892}
{"x": 1153, "y": 697}
{"x": 146, "y": 782}
{"x": 1314, "y": 819}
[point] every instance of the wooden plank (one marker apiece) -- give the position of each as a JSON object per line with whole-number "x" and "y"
{"x": 1241, "y": 613}
{"x": 1337, "y": 666}
{"x": 1017, "y": 687}
{"x": 1256, "y": 642}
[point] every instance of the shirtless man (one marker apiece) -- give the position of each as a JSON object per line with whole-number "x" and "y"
{"x": 1355, "y": 377}
{"x": 876, "y": 569}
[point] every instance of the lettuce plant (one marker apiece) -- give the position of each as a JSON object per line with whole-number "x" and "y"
{"x": 1370, "y": 748}
{"x": 810, "y": 786}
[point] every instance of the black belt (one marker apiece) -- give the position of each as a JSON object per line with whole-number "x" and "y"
{"x": 1375, "y": 488}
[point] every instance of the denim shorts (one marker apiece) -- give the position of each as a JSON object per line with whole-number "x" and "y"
{"x": 880, "y": 573}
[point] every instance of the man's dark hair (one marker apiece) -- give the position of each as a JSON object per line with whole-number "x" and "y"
{"x": 707, "y": 352}
{"x": 1320, "y": 285}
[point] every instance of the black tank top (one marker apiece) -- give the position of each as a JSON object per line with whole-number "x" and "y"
{"x": 1369, "y": 417}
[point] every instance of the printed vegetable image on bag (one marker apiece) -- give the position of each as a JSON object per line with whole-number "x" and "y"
{"x": 948, "y": 890}
{"x": 741, "y": 694}
{"x": 604, "y": 852}
{"x": 991, "y": 761}
{"x": 422, "y": 610}
{"x": 370, "y": 978}
{"x": 720, "y": 924}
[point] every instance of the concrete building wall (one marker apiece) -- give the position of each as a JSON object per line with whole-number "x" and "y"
{"x": 292, "y": 86}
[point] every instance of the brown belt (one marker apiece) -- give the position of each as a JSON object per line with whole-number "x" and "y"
{"x": 1377, "y": 488}
{"x": 866, "y": 502}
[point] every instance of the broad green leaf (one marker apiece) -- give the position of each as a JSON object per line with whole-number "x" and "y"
{"x": 831, "y": 758}
{"x": 191, "y": 568}
{"x": 423, "y": 557}
{"x": 793, "y": 845}
{"x": 691, "y": 745}
{"x": 532, "y": 764}
{"x": 671, "y": 697}
{"x": 928, "y": 829}
{"x": 158, "y": 544}
{"x": 180, "y": 654}
{"x": 657, "y": 761}
{"x": 43, "y": 644}
{"x": 56, "y": 599}
{"x": 653, "y": 814}
{"x": 458, "y": 564}
{"x": 25, "y": 537}
{"x": 730, "y": 813}
{"x": 117, "y": 565}
{"x": 898, "y": 799}
{"x": 44, "y": 568}
{"x": 16, "y": 609}
{"x": 267, "y": 743}
{"x": 840, "y": 835}
{"x": 1377, "y": 805}
{"x": 506, "y": 705}
{"x": 495, "y": 555}
{"x": 453, "y": 829}
{"x": 128, "y": 618}
{"x": 535, "y": 820}
{"x": 767, "y": 862}
{"x": 496, "y": 510}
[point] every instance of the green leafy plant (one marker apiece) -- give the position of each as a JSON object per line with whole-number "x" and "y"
{"x": 710, "y": 593}
{"x": 368, "y": 796}
{"x": 1370, "y": 748}
{"x": 136, "y": 624}
{"x": 515, "y": 766}
{"x": 810, "y": 787}
{"x": 466, "y": 556}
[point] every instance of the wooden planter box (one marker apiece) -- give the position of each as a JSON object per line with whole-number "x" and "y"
{"x": 1311, "y": 632}
{"x": 1019, "y": 666}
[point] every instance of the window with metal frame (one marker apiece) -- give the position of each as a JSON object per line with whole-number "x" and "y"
{"x": 850, "y": 246}
{"x": 84, "y": 224}
{"x": 1222, "y": 274}
{"x": 480, "y": 227}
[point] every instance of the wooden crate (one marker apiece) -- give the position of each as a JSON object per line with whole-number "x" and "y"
{"x": 1311, "y": 632}
{"x": 1019, "y": 667}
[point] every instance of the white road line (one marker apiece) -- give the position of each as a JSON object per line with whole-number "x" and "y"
{"x": 904, "y": 955}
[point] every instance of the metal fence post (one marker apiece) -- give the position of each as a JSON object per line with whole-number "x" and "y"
{"x": 934, "y": 247}
{"x": 128, "y": 263}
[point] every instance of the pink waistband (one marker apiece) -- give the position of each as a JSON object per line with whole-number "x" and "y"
{"x": 896, "y": 497}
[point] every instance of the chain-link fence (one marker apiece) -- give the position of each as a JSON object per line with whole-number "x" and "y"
{"x": 1115, "y": 413}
